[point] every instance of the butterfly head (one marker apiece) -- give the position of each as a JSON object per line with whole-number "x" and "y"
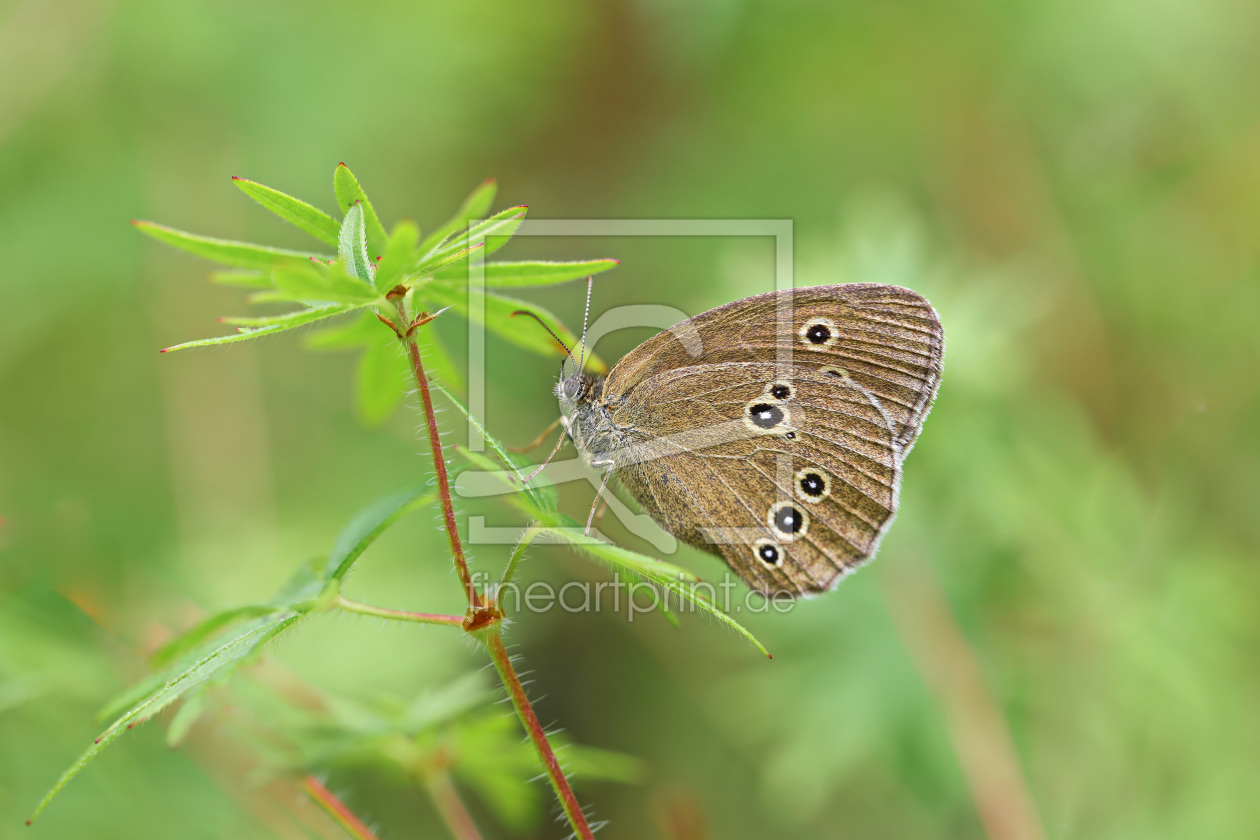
{"x": 577, "y": 389}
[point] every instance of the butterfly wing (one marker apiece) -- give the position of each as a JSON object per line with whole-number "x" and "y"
{"x": 792, "y": 479}
{"x": 886, "y": 339}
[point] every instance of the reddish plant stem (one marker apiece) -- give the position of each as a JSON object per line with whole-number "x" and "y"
{"x": 503, "y": 664}
{"x": 479, "y": 613}
{"x": 337, "y": 809}
{"x": 399, "y": 615}
{"x": 439, "y": 466}
{"x": 452, "y": 809}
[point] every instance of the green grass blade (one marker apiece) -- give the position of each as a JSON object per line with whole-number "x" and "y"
{"x": 352, "y": 244}
{"x": 293, "y": 320}
{"x": 225, "y": 251}
{"x": 293, "y": 210}
{"x": 370, "y": 524}
{"x": 348, "y": 191}
{"x": 177, "y": 682}
{"x": 514, "y": 274}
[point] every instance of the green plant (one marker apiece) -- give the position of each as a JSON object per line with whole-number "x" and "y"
{"x": 384, "y": 289}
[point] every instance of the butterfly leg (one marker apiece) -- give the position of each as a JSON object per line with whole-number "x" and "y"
{"x": 559, "y": 443}
{"x": 599, "y": 496}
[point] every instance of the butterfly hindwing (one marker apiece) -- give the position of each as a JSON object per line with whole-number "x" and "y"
{"x": 789, "y": 473}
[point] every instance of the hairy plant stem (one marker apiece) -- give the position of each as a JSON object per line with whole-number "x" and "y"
{"x": 451, "y": 808}
{"x": 399, "y": 615}
{"x": 439, "y": 463}
{"x": 484, "y": 620}
{"x": 503, "y": 664}
{"x": 337, "y": 809}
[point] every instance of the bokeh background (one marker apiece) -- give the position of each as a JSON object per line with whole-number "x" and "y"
{"x": 1059, "y": 637}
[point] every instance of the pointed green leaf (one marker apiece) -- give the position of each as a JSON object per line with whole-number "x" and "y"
{"x": 370, "y": 524}
{"x": 454, "y": 260}
{"x": 304, "y": 589}
{"x": 295, "y": 319}
{"x": 194, "y": 704}
{"x": 667, "y": 576}
{"x": 382, "y": 380}
{"x": 242, "y": 279}
{"x": 348, "y": 191}
{"x": 313, "y": 282}
{"x": 268, "y": 296}
{"x": 476, "y": 206}
{"x": 228, "y": 252}
{"x": 294, "y": 211}
{"x": 494, "y": 232}
{"x": 518, "y": 496}
{"x": 507, "y": 274}
{"x": 202, "y": 632}
{"x": 352, "y": 245}
{"x": 621, "y": 558}
{"x": 350, "y": 333}
{"x": 544, "y": 498}
{"x": 400, "y": 255}
{"x": 233, "y": 650}
{"x": 496, "y": 314}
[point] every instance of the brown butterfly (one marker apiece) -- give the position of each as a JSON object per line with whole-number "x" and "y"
{"x": 770, "y": 431}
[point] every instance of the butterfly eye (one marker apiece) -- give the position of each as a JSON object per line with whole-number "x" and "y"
{"x": 788, "y": 520}
{"x": 768, "y": 552}
{"x": 813, "y": 484}
{"x": 819, "y": 331}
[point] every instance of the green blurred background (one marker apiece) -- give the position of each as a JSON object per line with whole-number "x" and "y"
{"x": 1059, "y": 637}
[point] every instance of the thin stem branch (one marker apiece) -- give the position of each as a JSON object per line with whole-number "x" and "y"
{"x": 452, "y": 809}
{"x": 483, "y": 621}
{"x": 439, "y": 464}
{"x": 337, "y": 809}
{"x": 555, "y": 775}
{"x": 399, "y": 615}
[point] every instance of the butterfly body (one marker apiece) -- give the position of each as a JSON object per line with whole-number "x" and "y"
{"x": 770, "y": 431}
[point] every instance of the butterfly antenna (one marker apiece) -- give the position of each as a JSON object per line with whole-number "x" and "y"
{"x": 567, "y": 351}
{"x": 590, "y": 284}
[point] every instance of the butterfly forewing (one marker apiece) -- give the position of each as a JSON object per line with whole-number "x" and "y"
{"x": 885, "y": 339}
